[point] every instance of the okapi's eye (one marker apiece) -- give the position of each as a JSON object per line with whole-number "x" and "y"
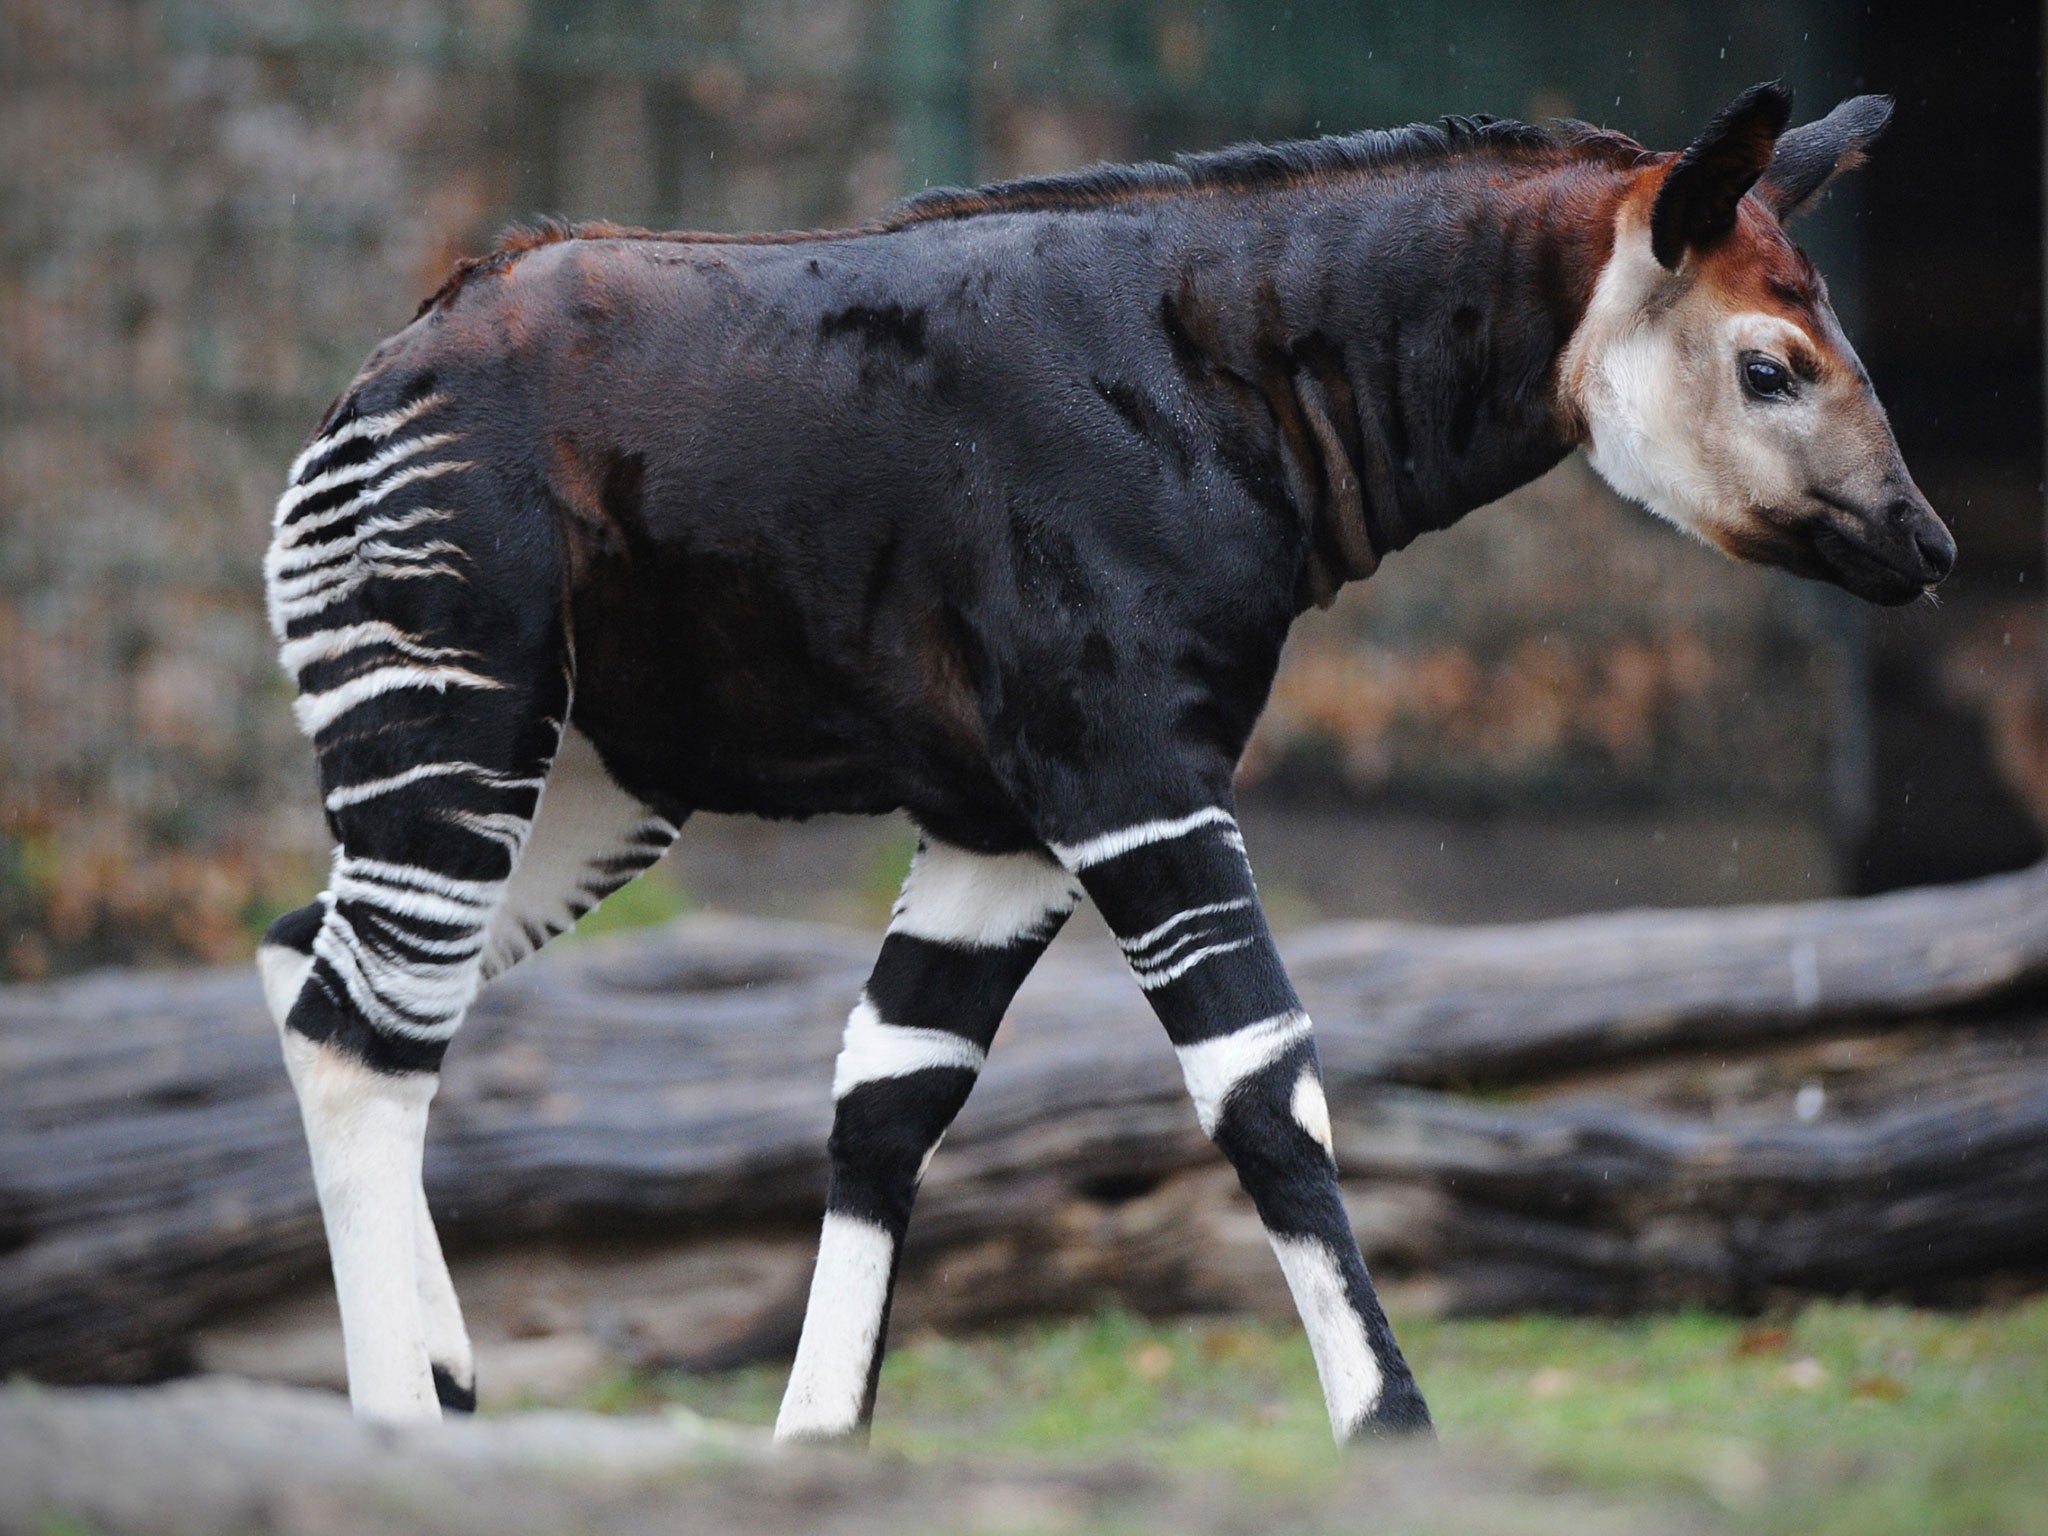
{"x": 1764, "y": 376}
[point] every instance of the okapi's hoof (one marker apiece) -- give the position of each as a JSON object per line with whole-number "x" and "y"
{"x": 1400, "y": 1414}
{"x": 455, "y": 1397}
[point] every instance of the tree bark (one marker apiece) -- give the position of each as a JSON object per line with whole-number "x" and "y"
{"x": 1601, "y": 1113}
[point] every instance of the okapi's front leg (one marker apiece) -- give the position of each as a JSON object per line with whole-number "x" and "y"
{"x": 1178, "y": 894}
{"x": 966, "y": 931}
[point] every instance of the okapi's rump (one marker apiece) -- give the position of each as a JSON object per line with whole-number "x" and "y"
{"x": 996, "y": 511}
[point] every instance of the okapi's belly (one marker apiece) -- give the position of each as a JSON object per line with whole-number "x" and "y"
{"x": 702, "y": 691}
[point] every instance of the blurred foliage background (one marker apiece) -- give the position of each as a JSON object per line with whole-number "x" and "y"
{"x": 211, "y": 209}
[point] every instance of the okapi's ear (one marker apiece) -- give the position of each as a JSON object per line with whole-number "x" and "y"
{"x": 1808, "y": 158}
{"x": 1696, "y": 204}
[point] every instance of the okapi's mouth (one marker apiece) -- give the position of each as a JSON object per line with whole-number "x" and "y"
{"x": 1889, "y": 558}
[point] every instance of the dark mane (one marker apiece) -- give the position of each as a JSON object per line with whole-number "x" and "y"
{"x": 1246, "y": 168}
{"x": 1240, "y": 168}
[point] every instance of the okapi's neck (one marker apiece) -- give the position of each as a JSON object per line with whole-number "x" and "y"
{"x": 1404, "y": 334}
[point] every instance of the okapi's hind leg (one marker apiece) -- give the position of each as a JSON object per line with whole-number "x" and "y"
{"x": 591, "y": 838}
{"x": 1178, "y": 894}
{"x": 416, "y": 598}
{"x": 587, "y": 838}
{"x": 966, "y": 931}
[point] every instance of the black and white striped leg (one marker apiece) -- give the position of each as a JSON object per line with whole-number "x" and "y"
{"x": 436, "y": 715}
{"x": 1178, "y": 894}
{"x": 590, "y": 838}
{"x": 586, "y": 838}
{"x": 966, "y": 931}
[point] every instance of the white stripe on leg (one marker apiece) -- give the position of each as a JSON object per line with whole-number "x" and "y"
{"x": 981, "y": 901}
{"x": 367, "y": 1133}
{"x": 589, "y": 837}
{"x": 1114, "y": 845}
{"x": 1312, "y": 1111}
{"x": 1349, "y": 1370}
{"x": 842, "y": 1330}
{"x": 1214, "y": 1068}
{"x": 874, "y": 1049}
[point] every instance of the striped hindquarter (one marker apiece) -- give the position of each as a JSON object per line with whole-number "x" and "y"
{"x": 965, "y": 933}
{"x": 1178, "y": 894}
{"x": 471, "y": 824}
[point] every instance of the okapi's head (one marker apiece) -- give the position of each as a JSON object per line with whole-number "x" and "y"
{"x": 1712, "y": 381}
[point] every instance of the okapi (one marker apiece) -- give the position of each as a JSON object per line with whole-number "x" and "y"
{"x": 996, "y": 511}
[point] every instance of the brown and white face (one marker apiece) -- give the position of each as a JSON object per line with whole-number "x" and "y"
{"x": 1711, "y": 381}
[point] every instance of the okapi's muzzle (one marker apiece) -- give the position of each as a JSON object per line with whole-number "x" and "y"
{"x": 1889, "y": 551}
{"x": 1889, "y": 554}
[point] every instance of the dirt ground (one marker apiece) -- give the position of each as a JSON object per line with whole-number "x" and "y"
{"x": 214, "y": 1457}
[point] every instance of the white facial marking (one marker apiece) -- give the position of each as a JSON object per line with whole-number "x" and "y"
{"x": 1653, "y": 371}
{"x": 984, "y": 901}
{"x": 1213, "y": 1068}
{"x": 1623, "y": 364}
{"x": 1349, "y": 1370}
{"x": 842, "y": 1330}
{"x": 1756, "y": 331}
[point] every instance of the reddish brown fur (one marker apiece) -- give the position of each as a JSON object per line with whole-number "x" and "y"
{"x": 1759, "y": 268}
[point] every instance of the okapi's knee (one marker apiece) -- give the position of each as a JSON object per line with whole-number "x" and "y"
{"x": 1275, "y": 1129}
{"x": 309, "y": 1002}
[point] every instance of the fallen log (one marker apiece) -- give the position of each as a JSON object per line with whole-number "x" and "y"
{"x": 1610, "y": 1112}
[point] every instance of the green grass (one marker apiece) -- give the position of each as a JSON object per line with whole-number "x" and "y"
{"x": 1836, "y": 1421}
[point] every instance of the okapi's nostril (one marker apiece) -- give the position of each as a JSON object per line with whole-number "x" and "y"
{"x": 1932, "y": 541}
{"x": 1937, "y": 550}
